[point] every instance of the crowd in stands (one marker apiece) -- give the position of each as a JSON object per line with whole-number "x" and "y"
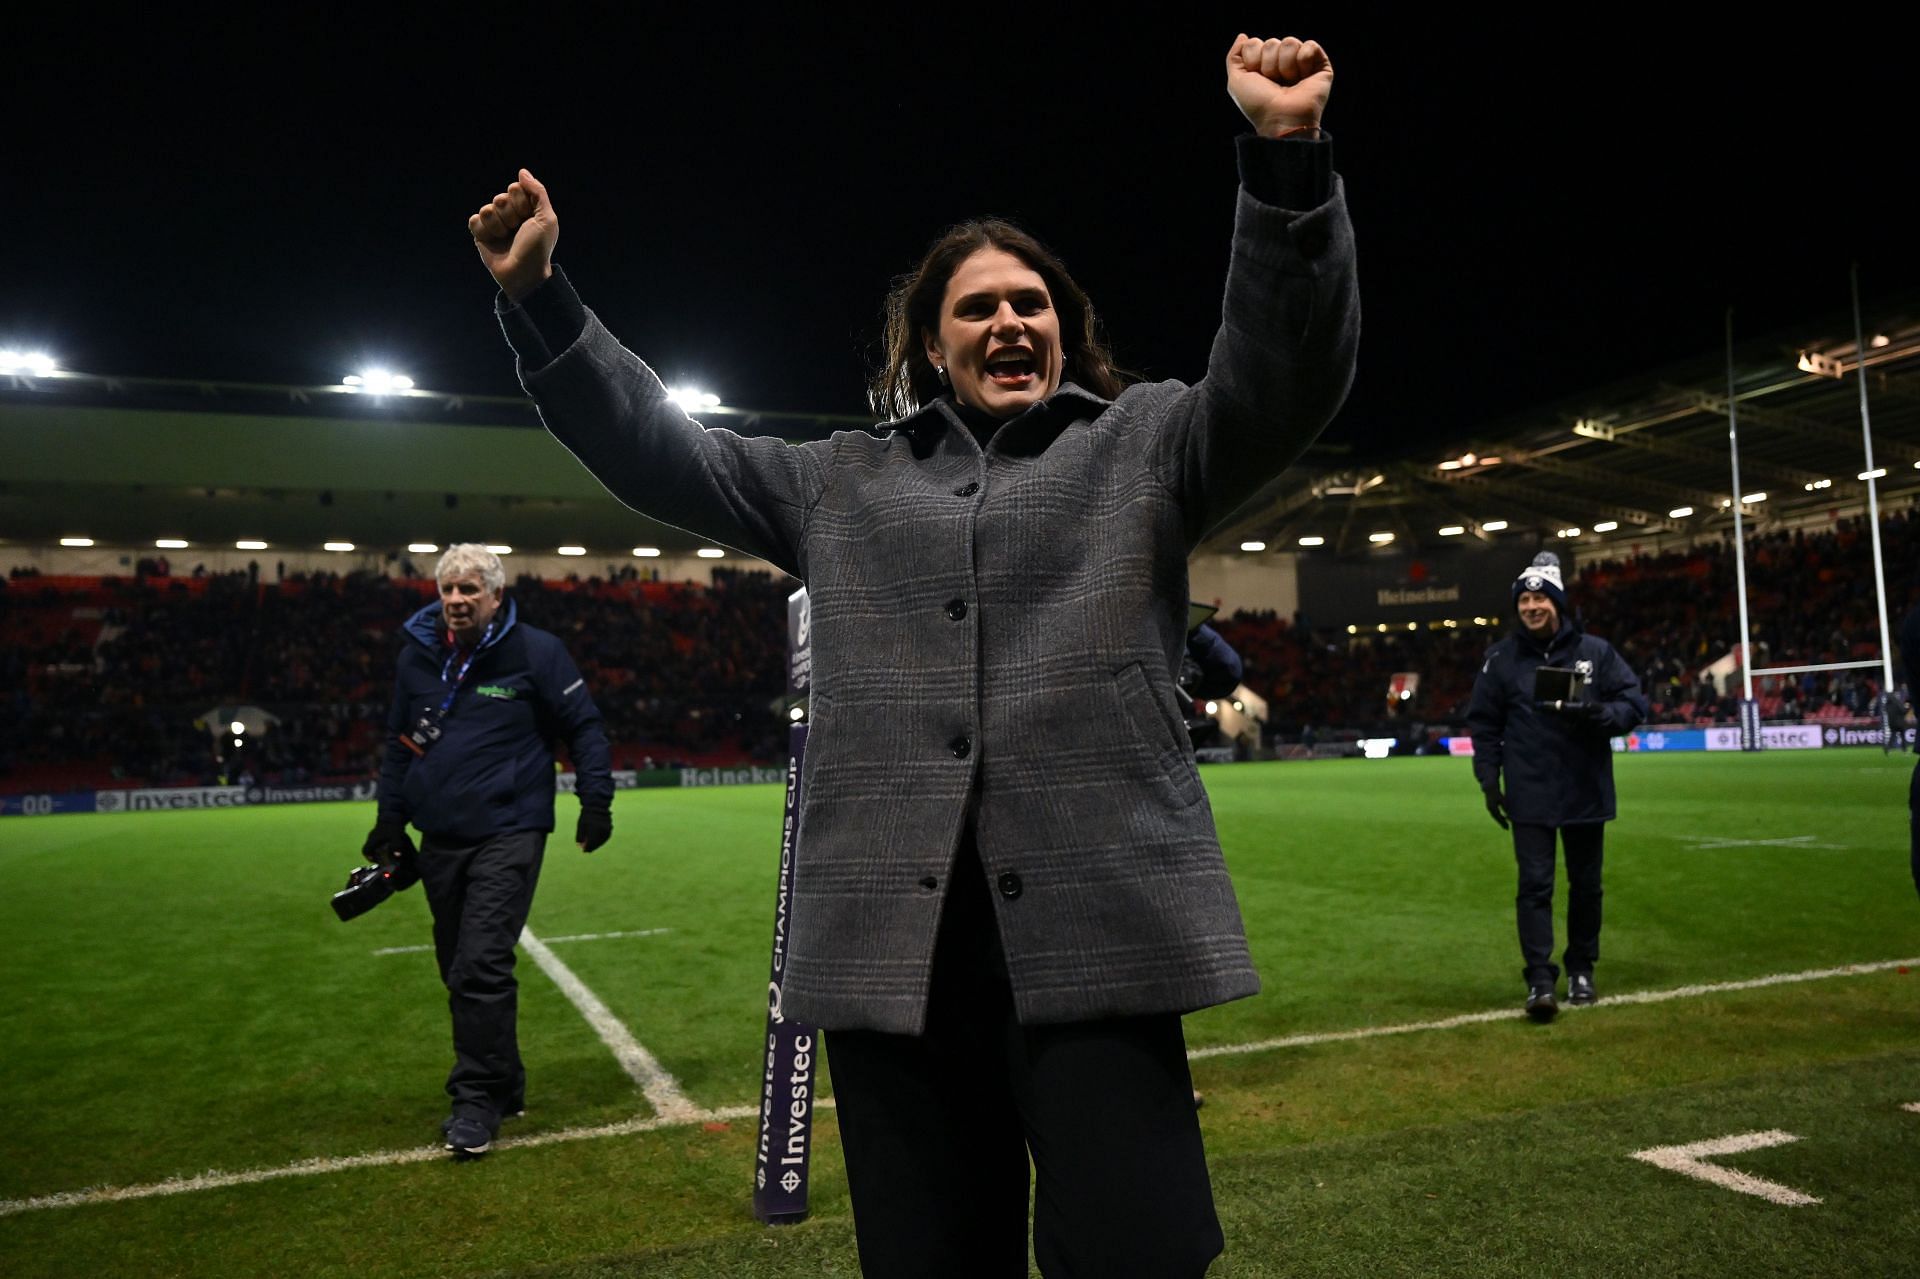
{"x": 132, "y": 679}
{"x": 1811, "y": 601}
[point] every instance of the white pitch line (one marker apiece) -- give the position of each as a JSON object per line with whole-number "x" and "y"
{"x": 1689, "y": 1161}
{"x": 551, "y": 941}
{"x": 691, "y": 1115}
{"x": 1914, "y": 1106}
{"x": 1508, "y": 1014}
{"x": 661, "y": 1089}
{"x": 379, "y": 1159}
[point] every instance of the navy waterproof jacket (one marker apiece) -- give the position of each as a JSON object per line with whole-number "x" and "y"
{"x": 492, "y": 769}
{"x": 1559, "y": 769}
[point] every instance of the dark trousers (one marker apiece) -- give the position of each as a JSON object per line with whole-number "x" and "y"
{"x": 480, "y": 894}
{"x": 938, "y": 1128}
{"x": 1533, "y": 848}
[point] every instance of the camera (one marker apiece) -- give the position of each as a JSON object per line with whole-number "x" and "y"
{"x": 368, "y": 886}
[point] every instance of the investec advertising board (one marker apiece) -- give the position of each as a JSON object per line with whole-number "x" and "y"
{"x": 1773, "y": 737}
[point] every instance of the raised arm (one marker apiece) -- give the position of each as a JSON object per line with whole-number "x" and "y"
{"x": 1283, "y": 358}
{"x": 612, "y": 412}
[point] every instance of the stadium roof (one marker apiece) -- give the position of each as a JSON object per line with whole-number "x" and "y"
{"x": 125, "y": 460}
{"x": 1634, "y": 453}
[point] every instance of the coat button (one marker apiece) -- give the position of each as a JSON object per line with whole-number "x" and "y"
{"x": 956, "y": 609}
{"x": 1010, "y": 885}
{"x": 961, "y": 747}
{"x": 967, "y": 490}
{"x": 929, "y": 883}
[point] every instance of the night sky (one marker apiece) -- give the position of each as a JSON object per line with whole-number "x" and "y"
{"x": 1540, "y": 208}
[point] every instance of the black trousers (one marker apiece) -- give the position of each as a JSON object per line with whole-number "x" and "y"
{"x": 938, "y": 1129}
{"x": 1533, "y": 850}
{"x": 480, "y": 894}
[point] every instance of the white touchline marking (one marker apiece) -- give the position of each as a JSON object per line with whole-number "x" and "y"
{"x": 1914, "y": 1106}
{"x": 551, "y": 941}
{"x": 1706, "y": 843}
{"x": 1508, "y": 1014}
{"x": 422, "y": 1154}
{"x": 1686, "y": 1160}
{"x": 661, "y": 1089}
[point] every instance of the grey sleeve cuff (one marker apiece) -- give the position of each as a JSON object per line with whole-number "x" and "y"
{"x": 545, "y": 322}
{"x": 1287, "y": 173}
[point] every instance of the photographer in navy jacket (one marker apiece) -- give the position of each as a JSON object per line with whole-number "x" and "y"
{"x": 1557, "y": 758}
{"x": 479, "y": 701}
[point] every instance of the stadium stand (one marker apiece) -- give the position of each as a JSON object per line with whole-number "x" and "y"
{"x": 110, "y": 680}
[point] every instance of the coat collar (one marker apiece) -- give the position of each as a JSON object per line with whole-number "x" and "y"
{"x": 936, "y": 417}
{"x": 427, "y": 630}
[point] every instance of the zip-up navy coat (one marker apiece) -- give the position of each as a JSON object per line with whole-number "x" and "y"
{"x": 492, "y": 769}
{"x": 1559, "y": 769}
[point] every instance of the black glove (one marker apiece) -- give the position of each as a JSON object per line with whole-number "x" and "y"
{"x": 387, "y": 840}
{"x": 1496, "y": 806}
{"x": 594, "y": 829}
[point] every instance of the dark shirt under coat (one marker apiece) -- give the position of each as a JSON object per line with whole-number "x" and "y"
{"x": 1558, "y": 767}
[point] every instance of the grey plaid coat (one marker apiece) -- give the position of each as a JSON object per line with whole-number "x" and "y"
{"x": 1000, "y": 627}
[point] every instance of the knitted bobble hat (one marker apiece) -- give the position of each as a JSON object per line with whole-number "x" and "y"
{"x": 1543, "y": 575}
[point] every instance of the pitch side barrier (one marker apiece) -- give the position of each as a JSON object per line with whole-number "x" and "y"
{"x": 155, "y": 799}
{"x": 1773, "y": 737}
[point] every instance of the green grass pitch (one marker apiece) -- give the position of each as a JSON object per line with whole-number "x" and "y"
{"x": 179, "y": 1000}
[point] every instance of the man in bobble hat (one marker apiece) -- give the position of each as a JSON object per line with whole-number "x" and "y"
{"x": 1545, "y": 707}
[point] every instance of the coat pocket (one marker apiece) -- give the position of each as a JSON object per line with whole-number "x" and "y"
{"x": 1160, "y": 733}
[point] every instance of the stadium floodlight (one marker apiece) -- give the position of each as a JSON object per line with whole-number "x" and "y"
{"x": 1353, "y": 630}
{"x": 1569, "y": 532}
{"x": 1606, "y": 526}
{"x": 237, "y": 728}
{"x": 1811, "y": 485}
{"x": 1413, "y": 626}
{"x": 647, "y": 552}
{"x": 710, "y": 552}
{"x": 1879, "y": 340}
{"x": 1453, "y": 530}
{"x": 377, "y": 381}
{"x": 690, "y": 398}
{"x": 336, "y": 546}
{"x": 797, "y": 713}
{"x": 1382, "y": 628}
{"x": 1451, "y": 464}
{"x": 1379, "y": 539}
{"x": 1877, "y": 473}
{"x": 76, "y": 541}
{"x": 1680, "y": 512}
{"x": 422, "y": 548}
{"x": 170, "y": 543}
{"x": 573, "y": 550}
{"x": 27, "y": 363}
{"x": 1253, "y": 546}
{"x": 1313, "y": 541}
{"x": 1752, "y": 498}
{"x": 1492, "y": 526}
{"x": 501, "y": 550}
{"x": 248, "y": 544}
{"x": 236, "y": 741}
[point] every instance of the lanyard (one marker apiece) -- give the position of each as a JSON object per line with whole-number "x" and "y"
{"x": 446, "y": 667}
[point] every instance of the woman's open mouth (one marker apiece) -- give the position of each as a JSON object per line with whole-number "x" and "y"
{"x": 1012, "y": 368}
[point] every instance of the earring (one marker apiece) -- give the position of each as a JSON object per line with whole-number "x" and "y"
{"x": 940, "y": 372}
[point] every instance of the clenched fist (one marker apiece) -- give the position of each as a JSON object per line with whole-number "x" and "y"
{"x": 1279, "y": 84}
{"x": 515, "y": 234}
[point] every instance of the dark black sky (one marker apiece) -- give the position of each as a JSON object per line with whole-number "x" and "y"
{"x": 1541, "y": 207}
